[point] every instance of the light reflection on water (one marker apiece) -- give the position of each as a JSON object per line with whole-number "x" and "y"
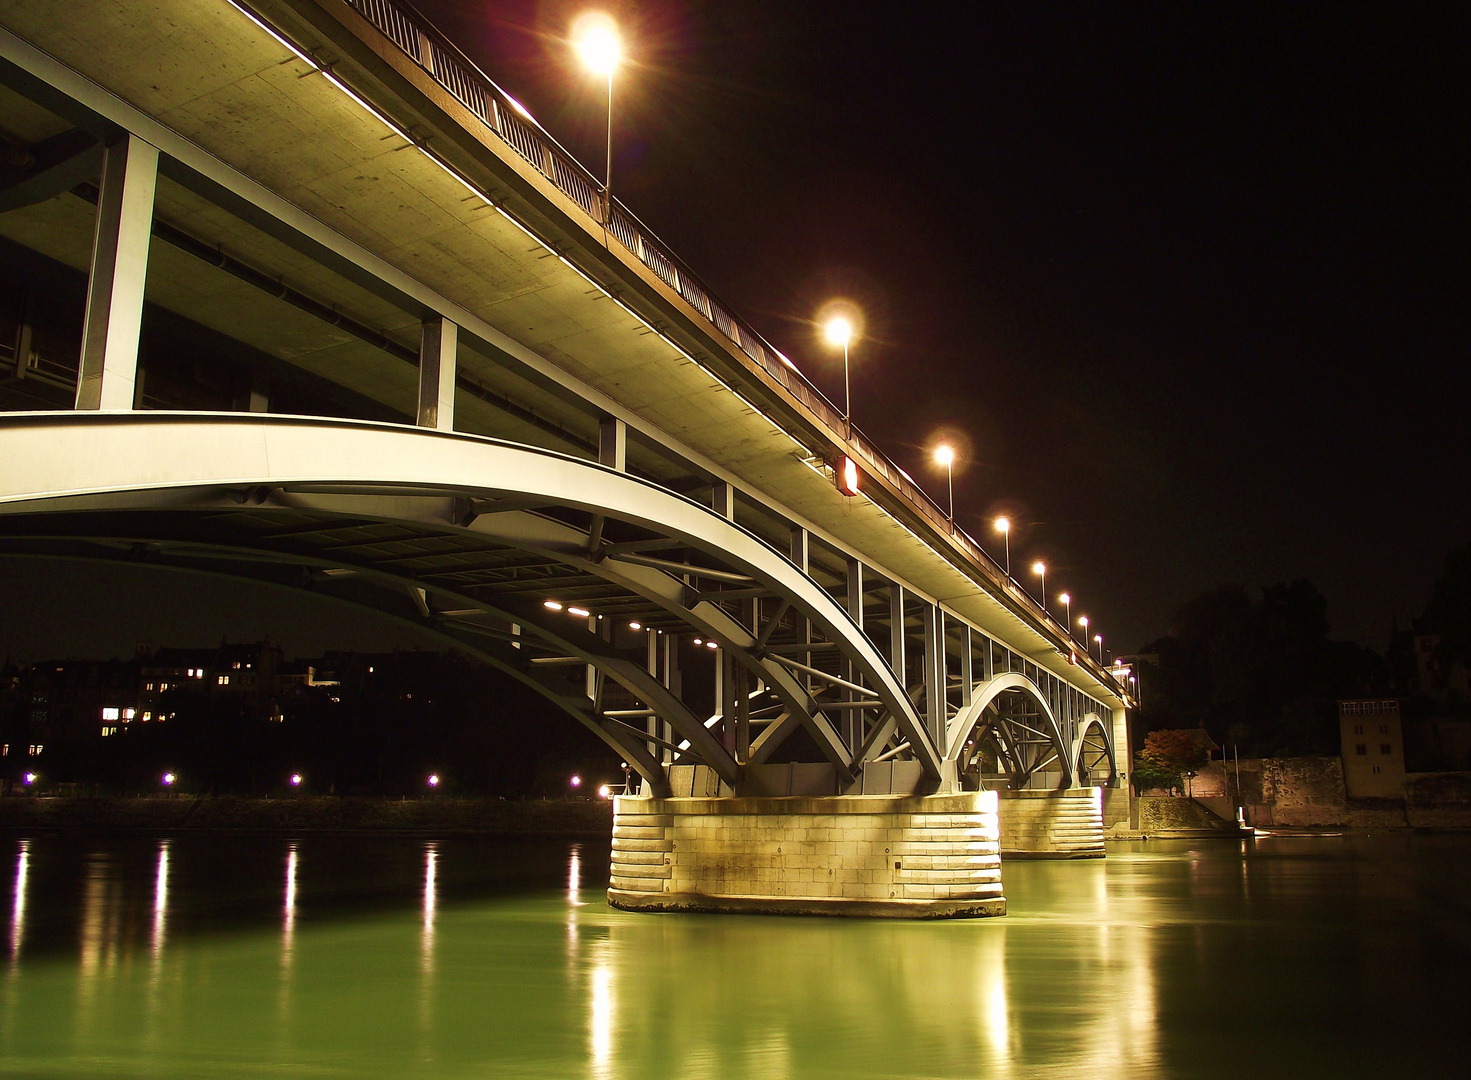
{"x": 489, "y": 958}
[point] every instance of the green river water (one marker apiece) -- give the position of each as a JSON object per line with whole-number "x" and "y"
{"x": 390, "y": 956}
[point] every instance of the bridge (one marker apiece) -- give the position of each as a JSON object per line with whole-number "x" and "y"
{"x": 294, "y": 293}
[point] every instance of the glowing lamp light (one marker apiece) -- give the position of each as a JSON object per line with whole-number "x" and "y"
{"x": 583, "y": 612}
{"x": 575, "y": 781}
{"x": 1065, "y": 599}
{"x": 434, "y": 779}
{"x": 29, "y": 778}
{"x": 944, "y": 455}
{"x": 604, "y": 791}
{"x": 847, "y": 474}
{"x": 699, "y": 641}
{"x": 635, "y": 626}
{"x": 599, "y": 47}
{"x": 1098, "y": 639}
{"x": 168, "y": 779}
{"x": 1083, "y": 621}
{"x": 712, "y": 645}
{"x": 839, "y": 331}
{"x": 1039, "y": 567}
{"x": 551, "y": 605}
{"x": 1003, "y": 525}
{"x": 296, "y": 779}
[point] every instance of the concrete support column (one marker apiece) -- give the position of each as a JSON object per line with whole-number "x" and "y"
{"x": 438, "y": 361}
{"x": 114, "y": 316}
{"x": 613, "y": 443}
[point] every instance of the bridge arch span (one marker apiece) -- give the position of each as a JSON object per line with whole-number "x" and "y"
{"x": 1027, "y": 748}
{"x": 467, "y": 534}
{"x": 1094, "y": 753}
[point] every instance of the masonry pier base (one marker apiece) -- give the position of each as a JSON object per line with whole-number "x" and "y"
{"x": 1052, "y": 824}
{"x": 909, "y": 856}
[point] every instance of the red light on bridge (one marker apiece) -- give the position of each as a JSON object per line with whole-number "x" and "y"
{"x": 847, "y": 476}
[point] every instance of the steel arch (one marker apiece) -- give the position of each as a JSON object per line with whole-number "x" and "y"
{"x": 1090, "y": 723}
{"x": 69, "y": 462}
{"x": 984, "y": 695}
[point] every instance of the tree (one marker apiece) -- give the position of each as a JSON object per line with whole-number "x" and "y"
{"x": 1167, "y": 754}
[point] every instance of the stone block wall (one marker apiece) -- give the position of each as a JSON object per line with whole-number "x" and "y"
{"x": 909, "y": 856}
{"x": 1058, "y": 824}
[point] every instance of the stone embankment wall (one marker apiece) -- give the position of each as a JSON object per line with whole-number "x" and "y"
{"x": 1066, "y": 824}
{"x": 1310, "y": 791}
{"x": 907, "y": 856}
{"x": 163, "y": 813}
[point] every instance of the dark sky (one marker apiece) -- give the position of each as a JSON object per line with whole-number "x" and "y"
{"x": 1190, "y": 281}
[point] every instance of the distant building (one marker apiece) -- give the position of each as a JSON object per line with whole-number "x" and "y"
{"x": 1373, "y": 748}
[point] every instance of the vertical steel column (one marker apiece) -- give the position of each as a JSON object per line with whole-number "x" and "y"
{"x": 114, "y": 316}
{"x": 613, "y": 443}
{"x": 438, "y": 362}
{"x": 722, "y": 500}
{"x": 967, "y": 666}
{"x": 651, "y": 724}
{"x": 852, "y": 726}
{"x": 934, "y": 671}
{"x": 674, "y": 683}
{"x": 897, "y": 637}
{"x": 802, "y": 558}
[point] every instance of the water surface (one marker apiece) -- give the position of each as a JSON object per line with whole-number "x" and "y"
{"x": 390, "y": 956}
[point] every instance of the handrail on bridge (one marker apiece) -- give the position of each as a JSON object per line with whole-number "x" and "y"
{"x": 515, "y": 126}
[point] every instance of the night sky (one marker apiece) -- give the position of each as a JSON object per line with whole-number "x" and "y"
{"x": 1189, "y": 282}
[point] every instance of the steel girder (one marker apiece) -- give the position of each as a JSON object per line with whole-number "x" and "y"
{"x": 449, "y": 483}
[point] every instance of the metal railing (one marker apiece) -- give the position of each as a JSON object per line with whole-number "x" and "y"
{"x": 515, "y": 127}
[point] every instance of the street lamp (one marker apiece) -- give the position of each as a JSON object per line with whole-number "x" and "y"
{"x": 1067, "y": 603}
{"x": 1040, "y": 569}
{"x": 1083, "y": 622}
{"x": 600, "y": 48}
{"x": 945, "y": 455}
{"x": 1003, "y": 526}
{"x": 840, "y": 332}
{"x": 1099, "y": 639}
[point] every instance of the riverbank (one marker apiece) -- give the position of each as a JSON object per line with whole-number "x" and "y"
{"x": 309, "y": 814}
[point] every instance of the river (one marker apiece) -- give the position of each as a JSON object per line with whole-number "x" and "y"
{"x": 341, "y": 955}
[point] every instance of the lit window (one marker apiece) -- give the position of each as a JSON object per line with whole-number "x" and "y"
{"x": 128, "y": 714}
{"x": 109, "y": 713}
{"x": 223, "y": 680}
{"x": 236, "y": 665}
{"x": 147, "y": 717}
{"x": 5, "y": 750}
{"x": 148, "y": 686}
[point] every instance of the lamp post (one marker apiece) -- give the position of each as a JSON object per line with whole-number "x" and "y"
{"x": 840, "y": 332}
{"x": 1003, "y": 526}
{"x": 1083, "y": 622}
{"x": 945, "y": 455}
{"x": 600, "y": 49}
{"x": 1040, "y": 569}
{"x": 1099, "y": 639}
{"x": 1067, "y": 604}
